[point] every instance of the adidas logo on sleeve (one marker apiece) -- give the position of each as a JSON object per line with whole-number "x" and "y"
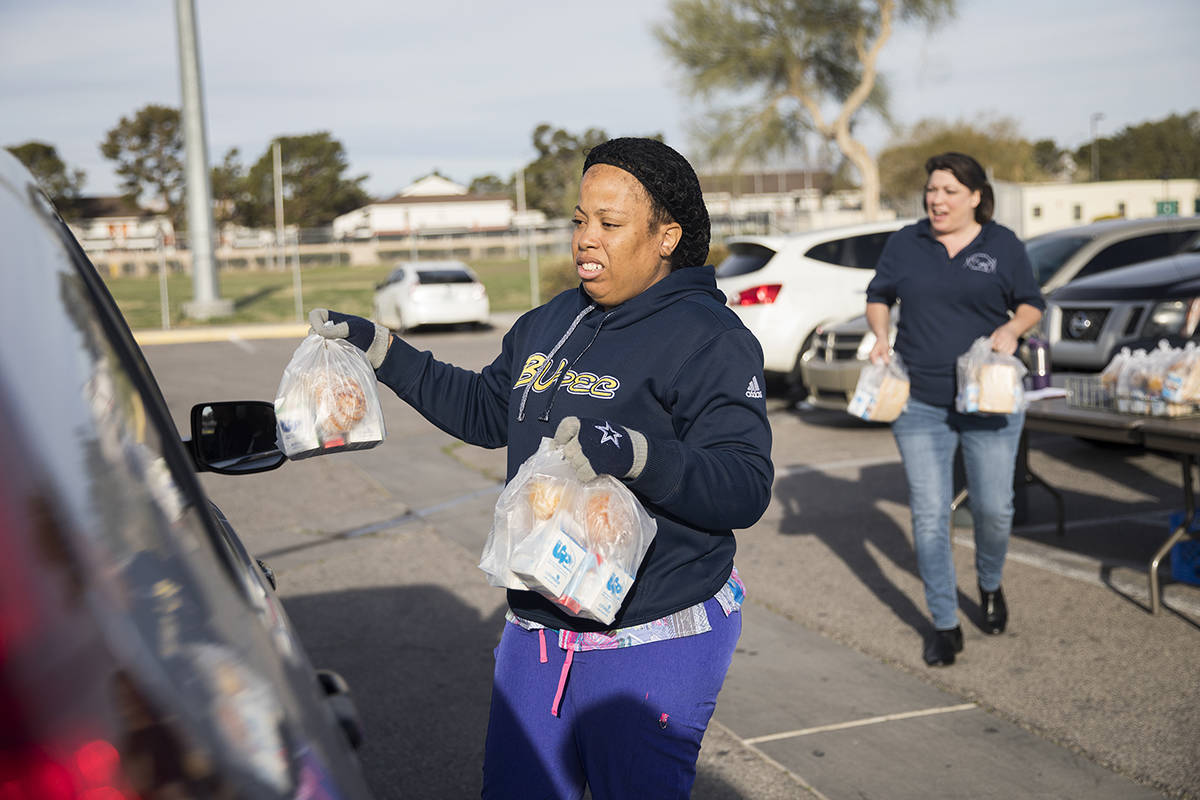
{"x": 753, "y": 390}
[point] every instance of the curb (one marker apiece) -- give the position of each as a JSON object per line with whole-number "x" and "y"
{"x": 219, "y": 333}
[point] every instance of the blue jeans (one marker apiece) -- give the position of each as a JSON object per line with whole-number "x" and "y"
{"x": 928, "y": 437}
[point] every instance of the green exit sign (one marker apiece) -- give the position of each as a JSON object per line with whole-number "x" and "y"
{"x": 1166, "y": 208}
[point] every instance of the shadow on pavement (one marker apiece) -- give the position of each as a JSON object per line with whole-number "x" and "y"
{"x": 419, "y": 663}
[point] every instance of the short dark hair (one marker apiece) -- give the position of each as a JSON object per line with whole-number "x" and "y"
{"x": 672, "y": 185}
{"x": 971, "y": 175}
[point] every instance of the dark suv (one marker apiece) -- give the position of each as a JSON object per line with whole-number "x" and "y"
{"x": 143, "y": 653}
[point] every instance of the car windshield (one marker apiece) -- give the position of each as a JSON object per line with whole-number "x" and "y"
{"x": 444, "y": 276}
{"x": 1049, "y": 253}
{"x": 743, "y": 258}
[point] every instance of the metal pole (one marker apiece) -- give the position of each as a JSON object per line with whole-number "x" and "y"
{"x": 1096, "y": 117}
{"x": 528, "y": 235}
{"x": 163, "y": 299}
{"x": 279, "y": 255}
{"x": 297, "y": 286}
{"x": 206, "y": 300}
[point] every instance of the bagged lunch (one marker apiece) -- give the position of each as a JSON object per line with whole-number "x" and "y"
{"x": 989, "y": 382}
{"x": 578, "y": 544}
{"x": 882, "y": 391}
{"x": 327, "y": 401}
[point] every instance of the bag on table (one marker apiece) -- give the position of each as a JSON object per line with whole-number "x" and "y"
{"x": 882, "y": 391}
{"x": 989, "y": 382}
{"x": 578, "y": 544}
{"x": 327, "y": 401}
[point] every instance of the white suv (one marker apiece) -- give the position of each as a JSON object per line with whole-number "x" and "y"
{"x": 784, "y": 287}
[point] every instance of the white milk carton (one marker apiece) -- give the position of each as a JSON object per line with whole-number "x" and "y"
{"x": 549, "y": 558}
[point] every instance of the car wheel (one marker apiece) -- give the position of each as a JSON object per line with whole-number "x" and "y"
{"x": 796, "y": 390}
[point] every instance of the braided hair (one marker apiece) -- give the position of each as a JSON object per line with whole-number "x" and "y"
{"x": 673, "y": 188}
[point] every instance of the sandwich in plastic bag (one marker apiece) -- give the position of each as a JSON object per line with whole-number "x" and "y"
{"x": 327, "y": 401}
{"x": 882, "y": 391}
{"x": 989, "y": 382}
{"x": 578, "y": 544}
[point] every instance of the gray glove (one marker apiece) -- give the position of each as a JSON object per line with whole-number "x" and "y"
{"x": 371, "y": 338}
{"x": 596, "y": 446}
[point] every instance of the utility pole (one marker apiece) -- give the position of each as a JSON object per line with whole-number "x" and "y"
{"x": 280, "y": 239}
{"x": 206, "y": 299}
{"x": 1096, "y": 117}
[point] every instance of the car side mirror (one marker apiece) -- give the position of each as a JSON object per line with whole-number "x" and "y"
{"x": 235, "y": 438}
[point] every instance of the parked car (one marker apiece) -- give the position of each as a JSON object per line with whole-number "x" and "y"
{"x": 1091, "y": 319}
{"x": 785, "y": 287}
{"x": 430, "y": 292}
{"x": 832, "y": 363}
{"x": 143, "y": 652}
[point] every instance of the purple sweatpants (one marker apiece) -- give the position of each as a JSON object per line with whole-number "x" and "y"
{"x": 629, "y": 722}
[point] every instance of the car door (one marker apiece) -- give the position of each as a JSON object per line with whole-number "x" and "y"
{"x": 150, "y": 643}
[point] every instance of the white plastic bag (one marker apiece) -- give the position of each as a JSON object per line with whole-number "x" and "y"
{"x": 989, "y": 382}
{"x": 578, "y": 544}
{"x": 327, "y": 401}
{"x": 882, "y": 391}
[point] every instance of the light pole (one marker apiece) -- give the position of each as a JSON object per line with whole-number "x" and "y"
{"x": 1096, "y": 117}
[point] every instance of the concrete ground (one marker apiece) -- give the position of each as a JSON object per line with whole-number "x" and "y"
{"x": 1087, "y": 695}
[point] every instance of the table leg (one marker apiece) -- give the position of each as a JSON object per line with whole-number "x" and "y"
{"x": 1180, "y": 533}
{"x": 1028, "y": 476}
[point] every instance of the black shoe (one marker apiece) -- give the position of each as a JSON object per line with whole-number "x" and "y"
{"x": 940, "y": 650}
{"x": 995, "y": 610}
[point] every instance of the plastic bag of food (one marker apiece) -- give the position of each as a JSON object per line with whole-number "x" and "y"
{"x": 989, "y": 382}
{"x": 578, "y": 544}
{"x": 882, "y": 391}
{"x": 1182, "y": 381}
{"x": 1132, "y": 382}
{"x": 327, "y": 401}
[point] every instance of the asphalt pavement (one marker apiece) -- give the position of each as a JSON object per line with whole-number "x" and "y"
{"x": 1087, "y": 696}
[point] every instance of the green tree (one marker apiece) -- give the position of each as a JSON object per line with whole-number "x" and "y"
{"x": 148, "y": 151}
{"x": 996, "y": 143}
{"x": 552, "y": 179}
{"x": 315, "y": 188}
{"x": 806, "y": 56}
{"x": 1052, "y": 159}
{"x": 490, "y": 184}
{"x": 229, "y": 188}
{"x": 61, "y": 185}
{"x": 1167, "y": 148}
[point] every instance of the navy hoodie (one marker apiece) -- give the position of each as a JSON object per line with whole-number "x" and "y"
{"x": 947, "y": 303}
{"x": 674, "y": 363}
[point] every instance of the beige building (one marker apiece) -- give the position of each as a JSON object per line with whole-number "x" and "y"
{"x": 432, "y": 203}
{"x": 1033, "y": 208}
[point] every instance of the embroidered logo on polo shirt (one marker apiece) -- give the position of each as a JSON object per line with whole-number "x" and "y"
{"x": 753, "y": 390}
{"x": 981, "y": 262}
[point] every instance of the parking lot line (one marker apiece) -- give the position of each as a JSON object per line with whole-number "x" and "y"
{"x": 858, "y": 723}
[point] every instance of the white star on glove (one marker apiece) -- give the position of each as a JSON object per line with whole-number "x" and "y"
{"x": 609, "y": 434}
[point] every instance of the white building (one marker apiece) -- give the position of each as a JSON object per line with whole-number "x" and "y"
{"x": 112, "y": 223}
{"x": 1033, "y": 208}
{"x": 431, "y": 204}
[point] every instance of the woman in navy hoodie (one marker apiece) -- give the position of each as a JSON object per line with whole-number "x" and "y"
{"x": 958, "y": 276}
{"x": 643, "y": 373}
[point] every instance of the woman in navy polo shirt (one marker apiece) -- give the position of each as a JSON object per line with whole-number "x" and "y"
{"x": 959, "y": 276}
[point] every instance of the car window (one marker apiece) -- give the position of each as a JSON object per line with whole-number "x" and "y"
{"x": 427, "y": 276}
{"x": 861, "y": 252}
{"x": 1049, "y": 253}
{"x": 396, "y": 276}
{"x": 1132, "y": 251}
{"x": 744, "y": 258}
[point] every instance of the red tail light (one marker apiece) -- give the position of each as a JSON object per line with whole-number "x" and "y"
{"x": 92, "y": 772}
{"x": 757, "y": 295}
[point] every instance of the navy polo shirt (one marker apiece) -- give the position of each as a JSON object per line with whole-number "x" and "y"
{"x": 947, "y": 303}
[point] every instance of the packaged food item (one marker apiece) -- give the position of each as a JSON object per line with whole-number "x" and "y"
{"x": 881, "y": 392}
{"x": 578, "y": 544}
{"x": 327, "y": 401}
{"x": 1181, "y": 384}
{"x": 989, "y": 382}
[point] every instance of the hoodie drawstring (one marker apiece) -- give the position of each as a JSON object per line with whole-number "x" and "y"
{"x": 545, "y": 416}
{"x": 550, "y": 359}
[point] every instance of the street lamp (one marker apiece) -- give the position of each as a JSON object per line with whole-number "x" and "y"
{"x": 1096, "y": 117}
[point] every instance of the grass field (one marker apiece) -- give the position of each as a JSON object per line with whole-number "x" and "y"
{"x": 269, "y": 296}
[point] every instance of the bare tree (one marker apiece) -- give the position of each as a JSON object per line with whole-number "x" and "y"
{"x": 815, "y": 62}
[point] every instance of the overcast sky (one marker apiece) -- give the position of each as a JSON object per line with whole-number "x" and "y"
{"x": 459, "y": 86}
